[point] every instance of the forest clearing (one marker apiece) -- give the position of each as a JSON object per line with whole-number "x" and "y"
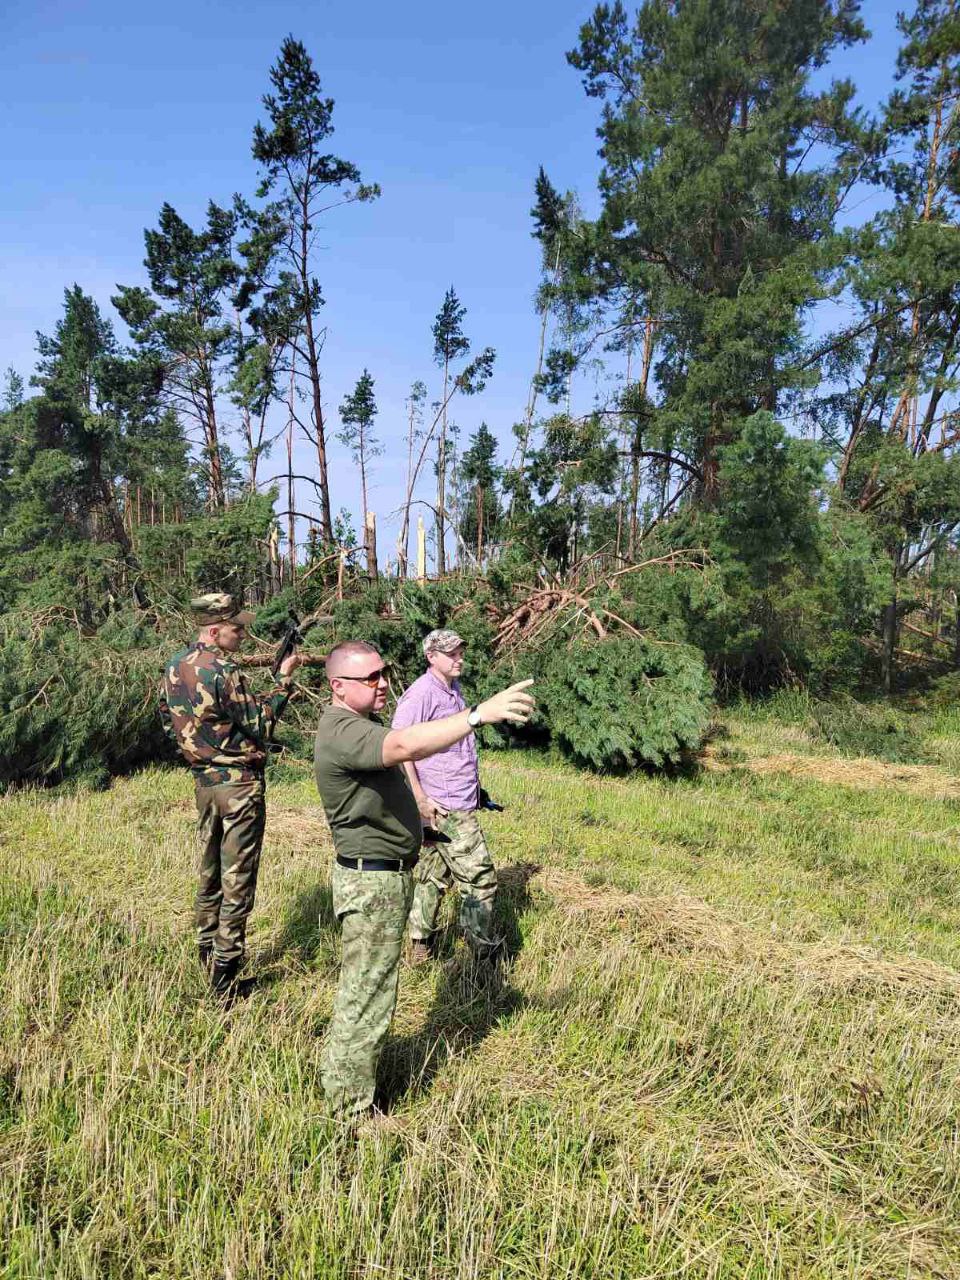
{"x": 726, "y": 1041}
{"x": 646, "y": 390}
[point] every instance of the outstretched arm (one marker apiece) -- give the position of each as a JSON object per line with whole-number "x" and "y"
{"x": 418, "y": 741}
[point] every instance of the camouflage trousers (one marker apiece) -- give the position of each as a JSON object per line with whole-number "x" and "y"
{"x": 466, "y": 863}
{"x": 232, "y": 816}
{"x": 372, "y": 907}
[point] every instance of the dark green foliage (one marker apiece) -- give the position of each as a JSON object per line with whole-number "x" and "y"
{"x": 945, "y": 691}
{"x": 573, "y": 474}
{"x": 865, "y": 729}
{"x": 450, "y": 344}
{"x": 449, "y": 340}
{"x": 395, "y": 618}
{"x": 625, "y": 702}
{"x": 800, "y": 587}
{"x": 479, "y": 475}
{"x": 182, "y": 322}
{"x": 224, "y": 552}
{"x": 767, "y": 522}
{"x": 614, "y": 704}
{"x": 13, "y": 387}
{"x": 833, "y": 613}
{"x": 722, "y": 172}
{"x": 357, "y": 413}
{"x": 274, "y": 616}
{"x": 77, "y": 707}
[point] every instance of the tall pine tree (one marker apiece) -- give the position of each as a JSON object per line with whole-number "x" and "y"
{"x": 357, "y": 413}
{"x": 723, "y": 172}
{"x": 304, "y": 182}
{"x": 182, "y": 322}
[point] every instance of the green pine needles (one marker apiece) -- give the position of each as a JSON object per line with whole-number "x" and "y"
{"x": 78, "y": 707}
{"x": 625, "y": 702}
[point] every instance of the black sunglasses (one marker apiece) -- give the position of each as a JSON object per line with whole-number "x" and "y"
{"x": 373, "y": 679}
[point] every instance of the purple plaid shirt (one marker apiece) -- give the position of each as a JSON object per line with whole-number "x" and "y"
{"x": 451, "y": 777}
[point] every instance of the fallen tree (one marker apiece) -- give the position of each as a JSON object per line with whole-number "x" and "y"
{"x": 78, "y": 704}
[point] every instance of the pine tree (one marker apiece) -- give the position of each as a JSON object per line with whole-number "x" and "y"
{"x": 13, "y": 388}
{"x": 480, "y": 504}
{"x": 898, "y": 364}
{"x": 573, "y": 473}
{"x": 415, "y": 402}
{"x": 305, "y": 182}
{"x": 722, "y": 175}
{"x": 553, "y": 217}
{"x": 357, "y": 413}
{"x": 449, "y": 344}
{"x": 180, "y": 322}
{"x": 65, "y": 453}
{"x": 469, "y": 380}
{"x": 268, "y": 323}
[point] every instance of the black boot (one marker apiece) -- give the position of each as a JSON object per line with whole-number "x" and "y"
{"x": 223, "y": 978}
{"x": 205, "y": 955}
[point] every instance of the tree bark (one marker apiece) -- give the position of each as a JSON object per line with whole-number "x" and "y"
{"x": 217, "y": 494}
{"x": 442, "y": 475}
{"x": 313, "y": 371}
{"x": 370, "y": 543}
{"x": 404, "y": 536}
{"x": 114, "y": 521}
{"x": 291, "y": 505}
{"x": 888, "y": 653}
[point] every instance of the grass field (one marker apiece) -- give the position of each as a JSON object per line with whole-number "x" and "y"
{"x": 727, "y": 1042}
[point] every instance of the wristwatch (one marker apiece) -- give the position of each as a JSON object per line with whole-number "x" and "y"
{"x": 473, "y": 719}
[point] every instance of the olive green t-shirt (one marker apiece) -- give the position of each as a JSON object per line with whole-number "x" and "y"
{"x": 371, "y": 809}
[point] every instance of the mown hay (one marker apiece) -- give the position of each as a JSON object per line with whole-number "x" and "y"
{"x": 685, "y": 926}
{"x": 863, "y": 773}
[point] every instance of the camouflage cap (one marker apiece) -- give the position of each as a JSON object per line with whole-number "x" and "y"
{"x": 218, "y": 606}
{"x": 441, "y": 641}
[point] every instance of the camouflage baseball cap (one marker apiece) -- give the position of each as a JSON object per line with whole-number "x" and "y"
{"x": 442, "y": 641}
{"x": 218, "y": 606}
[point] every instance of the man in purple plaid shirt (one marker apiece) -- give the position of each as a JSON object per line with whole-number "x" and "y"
{"x": 447, "y": 790}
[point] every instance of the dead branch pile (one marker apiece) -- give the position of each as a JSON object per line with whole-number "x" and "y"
{"x": 572, "y": 605}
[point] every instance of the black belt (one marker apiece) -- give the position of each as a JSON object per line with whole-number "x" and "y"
{"x": 375, "y": 864}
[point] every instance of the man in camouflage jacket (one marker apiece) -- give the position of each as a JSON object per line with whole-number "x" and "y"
{"x": 222, "y": 729}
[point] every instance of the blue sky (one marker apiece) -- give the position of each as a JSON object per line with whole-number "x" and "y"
{"x": 108, "y": 110}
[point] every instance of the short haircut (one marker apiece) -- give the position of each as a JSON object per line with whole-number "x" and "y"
{"x": 345, "y": 649}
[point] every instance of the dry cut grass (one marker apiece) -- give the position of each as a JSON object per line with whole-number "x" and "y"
{"x": 860, "y": 772}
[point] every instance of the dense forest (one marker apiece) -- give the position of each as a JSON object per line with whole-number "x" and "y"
{"x": 767, "y": 492}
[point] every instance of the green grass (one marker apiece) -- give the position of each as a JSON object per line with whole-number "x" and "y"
{"x": 727, "y": 1043}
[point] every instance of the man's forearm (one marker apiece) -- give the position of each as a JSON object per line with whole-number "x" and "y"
{"x": 413, "y": 778}
{"x": 418, "y": 741}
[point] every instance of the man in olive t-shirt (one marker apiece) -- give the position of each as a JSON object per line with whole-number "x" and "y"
{"x": 376, "y": 830}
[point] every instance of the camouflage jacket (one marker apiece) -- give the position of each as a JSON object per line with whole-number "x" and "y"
{"x": 219, "y": 726}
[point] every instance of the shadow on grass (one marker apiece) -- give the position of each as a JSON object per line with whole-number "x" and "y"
{"x": 471, "y": 999}
{"x": 308, "y": 927}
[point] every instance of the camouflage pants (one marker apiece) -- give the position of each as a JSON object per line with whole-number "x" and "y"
{"x": 231, "y": 821}
{"x": 372, "y": 907}
{"x": 466, "y": 863}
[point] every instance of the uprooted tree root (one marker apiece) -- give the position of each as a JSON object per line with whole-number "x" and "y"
{"x": 573, "y": 603}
